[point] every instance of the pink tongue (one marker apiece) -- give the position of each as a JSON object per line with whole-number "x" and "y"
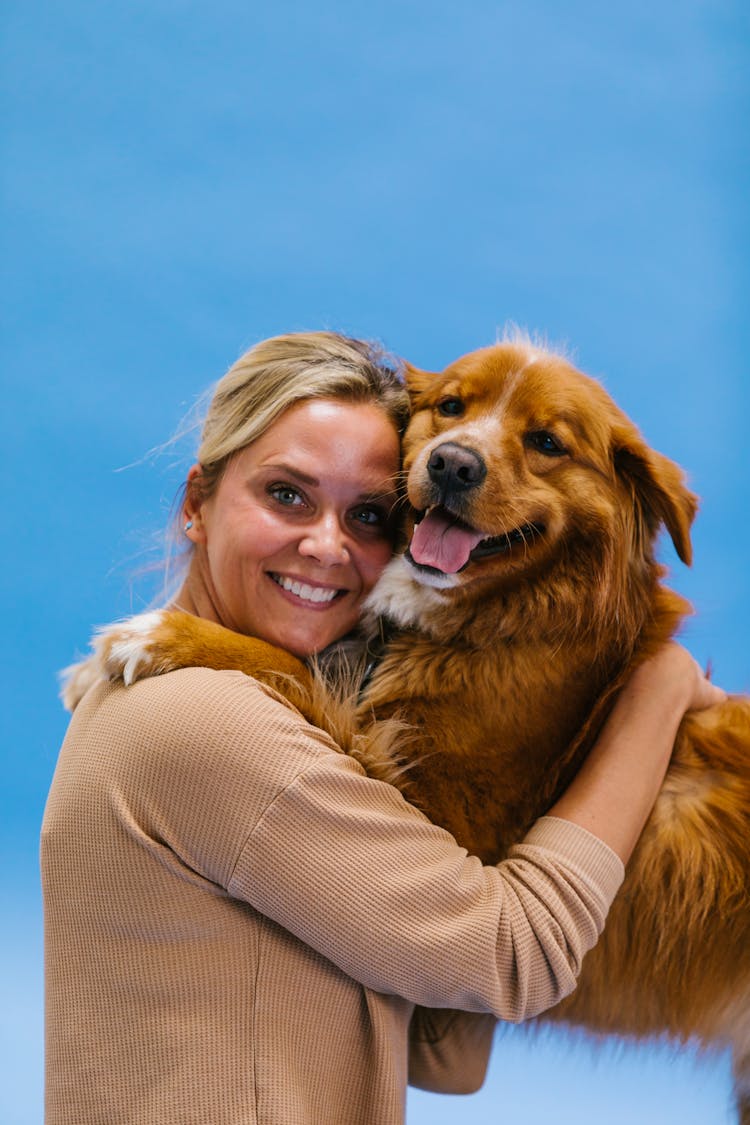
{"x": 443, "y": 542}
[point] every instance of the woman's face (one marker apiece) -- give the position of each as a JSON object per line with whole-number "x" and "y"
{"x": 299, "y": 527}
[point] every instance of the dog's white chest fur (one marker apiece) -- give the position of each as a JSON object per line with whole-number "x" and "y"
{"x": 407, "y": 597}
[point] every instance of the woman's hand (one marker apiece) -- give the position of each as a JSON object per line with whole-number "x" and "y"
{"x": 673, "y": 670}
{"x": 615, "y": 789}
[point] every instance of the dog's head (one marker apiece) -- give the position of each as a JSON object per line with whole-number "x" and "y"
{"x": 514, "y": 459}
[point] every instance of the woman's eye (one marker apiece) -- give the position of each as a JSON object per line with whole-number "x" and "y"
{"x": 546, "y": 442}
{"x": 373, "y": 518}
{"x": 370, "y": 517}
{"x": 286, "y": 495}
{"x": 451, "y": 407}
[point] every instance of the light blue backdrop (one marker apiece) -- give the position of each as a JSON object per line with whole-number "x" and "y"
{"x": 183, "y": 178}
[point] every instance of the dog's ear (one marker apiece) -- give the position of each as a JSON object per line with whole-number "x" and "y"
{"x": 417, "y": 381}
{"x": 659, "y": 489}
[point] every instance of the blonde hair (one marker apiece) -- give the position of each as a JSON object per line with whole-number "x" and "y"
{"x": 284, "y": 370}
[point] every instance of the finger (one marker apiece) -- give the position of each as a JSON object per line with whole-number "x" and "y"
{"x": 710, "y": 694}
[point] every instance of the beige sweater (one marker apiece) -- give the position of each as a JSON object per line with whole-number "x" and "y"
{"x": 239, "y": 922}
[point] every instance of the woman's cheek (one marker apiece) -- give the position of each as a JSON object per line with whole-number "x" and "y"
{"x": 376, "y": 564}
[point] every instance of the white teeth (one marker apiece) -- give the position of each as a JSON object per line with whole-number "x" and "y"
{"x": 302, "y": 590}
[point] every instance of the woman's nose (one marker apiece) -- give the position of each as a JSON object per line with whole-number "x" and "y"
{"x": 325, "y": 541}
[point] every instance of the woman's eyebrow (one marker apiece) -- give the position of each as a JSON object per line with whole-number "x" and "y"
{"x": 291, "y": 471}
{"x": 380, "y": 489}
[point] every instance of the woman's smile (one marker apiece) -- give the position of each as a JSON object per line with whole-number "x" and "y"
{"x": 305, "y": 593}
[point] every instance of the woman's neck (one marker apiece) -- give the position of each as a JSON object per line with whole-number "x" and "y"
{"x": 194, "y": 596}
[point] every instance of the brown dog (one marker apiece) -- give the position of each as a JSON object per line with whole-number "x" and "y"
{"x": 528, "y": 591}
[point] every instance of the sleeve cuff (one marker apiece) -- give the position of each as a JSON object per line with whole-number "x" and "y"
{"x": 581, "y": 851}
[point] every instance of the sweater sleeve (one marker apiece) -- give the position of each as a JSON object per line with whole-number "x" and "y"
{"x": 449, "y": 1051}
{"x": 242, "y": 791}
{"x": 351, "y": 869}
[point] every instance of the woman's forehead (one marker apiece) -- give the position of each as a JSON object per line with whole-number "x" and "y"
{"x": 320, "y": 438}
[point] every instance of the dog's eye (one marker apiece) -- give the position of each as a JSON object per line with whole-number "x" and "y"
{"x": 451, "y": 407}
{"x": 545, "y": 442}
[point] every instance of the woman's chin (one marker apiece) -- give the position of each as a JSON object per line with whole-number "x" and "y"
{"x": 304, "y": 643}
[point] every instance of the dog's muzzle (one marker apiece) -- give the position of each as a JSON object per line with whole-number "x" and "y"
{"x": 455, "y": 468}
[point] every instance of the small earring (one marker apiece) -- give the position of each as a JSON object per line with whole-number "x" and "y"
{"x": 187, "y": 526}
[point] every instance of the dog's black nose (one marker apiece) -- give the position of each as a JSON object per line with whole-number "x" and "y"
{"x": 455, "y": 468}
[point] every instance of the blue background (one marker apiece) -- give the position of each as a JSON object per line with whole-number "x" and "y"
{"x": 184, "y": 178}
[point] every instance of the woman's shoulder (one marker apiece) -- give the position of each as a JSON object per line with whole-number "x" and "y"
{"x": 197, "y": 690}
{"x": 197, "y": 717}
{"x": 202, "y": 751}
{"x": 194, "y": 694}
{"x": 192, "y": 759}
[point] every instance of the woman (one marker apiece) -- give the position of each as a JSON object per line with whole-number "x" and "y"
{"x": 243, "y": 927}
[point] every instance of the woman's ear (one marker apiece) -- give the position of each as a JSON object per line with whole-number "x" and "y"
{"x": 192, "y": 510}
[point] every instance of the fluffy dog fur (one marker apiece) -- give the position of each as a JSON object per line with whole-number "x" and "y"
{"x": 528, "y": 592}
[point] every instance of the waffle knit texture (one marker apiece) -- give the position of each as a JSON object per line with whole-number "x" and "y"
{"x": 242, "y": 928}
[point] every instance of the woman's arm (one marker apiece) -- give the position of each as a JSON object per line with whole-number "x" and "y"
{"x": 239, "y": 790}
{"x": 235, "y": 788}
{"x": 615, "y": 789}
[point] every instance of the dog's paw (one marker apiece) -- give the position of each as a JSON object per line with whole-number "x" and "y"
{"x": 122, "y": 651}
{"x": 76, "y": 679}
